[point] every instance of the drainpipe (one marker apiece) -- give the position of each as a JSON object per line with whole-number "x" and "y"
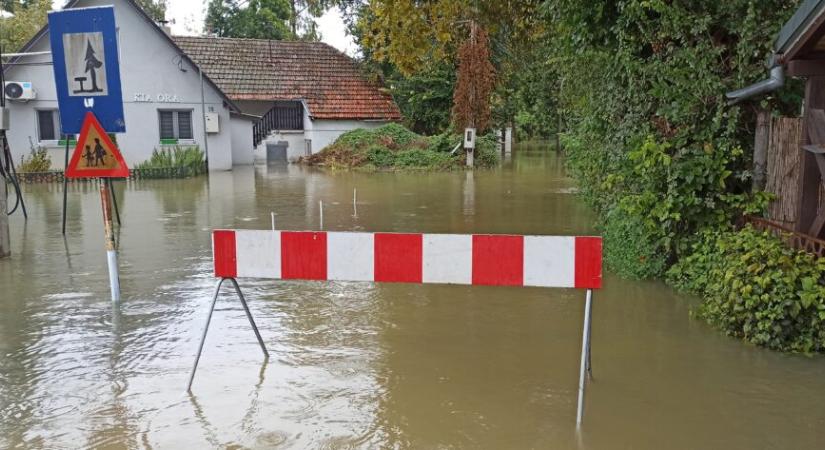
{"x": 763, "y": 118}
{"x": 776, "y": 81}
{"x": 203, "y": 115}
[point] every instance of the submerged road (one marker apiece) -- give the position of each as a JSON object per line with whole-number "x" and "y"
{"x": 359, "y": 365}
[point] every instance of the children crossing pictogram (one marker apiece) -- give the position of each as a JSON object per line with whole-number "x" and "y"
{"x": 96, "y": 155}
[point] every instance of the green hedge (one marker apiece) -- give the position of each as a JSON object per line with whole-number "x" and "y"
{"x": 756, "y": 288}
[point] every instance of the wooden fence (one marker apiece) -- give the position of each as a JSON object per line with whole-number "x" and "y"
{"x": 783, "y": 169}
{"x": 784, "y": 152}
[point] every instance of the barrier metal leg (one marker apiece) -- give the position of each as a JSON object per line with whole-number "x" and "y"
{"x": 209, "y": 319}
{"x": 589, "y": 347}
{"x": 585, "y": 360}
{"x": 249, "y": 316}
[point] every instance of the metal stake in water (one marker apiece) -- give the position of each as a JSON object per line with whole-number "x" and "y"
{"x": 272, "y": 214}
{"x": 321, "y": 209}
{"x": 354, "y": 202}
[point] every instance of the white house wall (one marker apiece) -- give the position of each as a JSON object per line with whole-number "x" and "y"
{"x": 320, "y": 133}
{"x": 325, "y": 132}
{"x": 153, "y": 77}
{"x": 241, "y": 129}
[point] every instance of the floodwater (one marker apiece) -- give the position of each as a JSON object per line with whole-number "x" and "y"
{"x": 358, "y": 365}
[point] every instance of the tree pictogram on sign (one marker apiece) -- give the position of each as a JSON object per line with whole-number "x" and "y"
{"x": 96, "y": 155}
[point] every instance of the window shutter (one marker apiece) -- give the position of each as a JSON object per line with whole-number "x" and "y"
{"x": 185, "y": 124}
{"x": 45, "y": 123}
{"x": 167, "y": 124}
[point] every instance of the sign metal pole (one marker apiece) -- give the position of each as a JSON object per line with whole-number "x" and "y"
{"x": 111, "y": 252}
{"x": 114, "y": 199}
{"x": 585, "y": 359}
{"x": 65, "y": 184}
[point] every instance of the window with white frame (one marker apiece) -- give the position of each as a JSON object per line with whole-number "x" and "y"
{"x": 175, "y": 125}
{"x": 48, "y": 126}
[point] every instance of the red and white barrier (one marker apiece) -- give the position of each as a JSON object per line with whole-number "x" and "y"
{"x": 479, "y": 259}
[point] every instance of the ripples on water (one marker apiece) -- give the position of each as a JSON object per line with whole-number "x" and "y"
{"x": 357, "y": 365}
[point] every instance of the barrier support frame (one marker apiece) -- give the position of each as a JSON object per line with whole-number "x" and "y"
{"x": 209, "y": 319}
{"x": 586, "y": 370}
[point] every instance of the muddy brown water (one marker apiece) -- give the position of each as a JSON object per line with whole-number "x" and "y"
{"x": 358, "y": 365}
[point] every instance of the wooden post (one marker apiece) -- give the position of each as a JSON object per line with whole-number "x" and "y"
{"x": 760, "y": 149}
{"x": 111, "y": 251}
{"x": 5, "y": 242}
{"x": 809, "y": 177}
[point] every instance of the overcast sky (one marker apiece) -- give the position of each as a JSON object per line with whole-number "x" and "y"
{"x": 187, "y": 19}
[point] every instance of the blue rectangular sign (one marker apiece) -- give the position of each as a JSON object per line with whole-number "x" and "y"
{"x": 86, "y": 69}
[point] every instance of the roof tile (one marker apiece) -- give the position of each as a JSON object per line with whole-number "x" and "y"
{"x": 328, "y": 81}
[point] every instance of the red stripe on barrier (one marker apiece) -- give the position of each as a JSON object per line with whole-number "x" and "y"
{"x": 223, "y": 253}
{"x": 588, "y": 262}
{"x": 398, "y": 257}
{"x": 303, "y": 255}
{"x": 498, "y": 260}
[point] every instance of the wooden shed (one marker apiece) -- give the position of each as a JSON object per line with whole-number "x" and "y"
{"x": 799, "y": 52}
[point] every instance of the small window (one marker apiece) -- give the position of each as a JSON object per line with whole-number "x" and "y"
{"x": 175, "y": 125}
{"x": 48, "y": 126}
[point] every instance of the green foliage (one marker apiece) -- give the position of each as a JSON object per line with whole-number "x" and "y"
{"x": 393, "y": 146}
{"x": 425, "y": 98}
{"x": 190, "y": 157}
{"x": 38, "y": 161}
{"x": 260, "y": 19}
{"x": 29, "y": 17}
{"x": 631, "y": 246}
{"x": 756, "y": 288}
{"x": 156, "y": 9}
{"x": 650, "y": 137}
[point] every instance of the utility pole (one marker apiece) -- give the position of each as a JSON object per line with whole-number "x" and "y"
{"x": 5, "y": 243}
{"x": 471, "y": 150}
{"x": 5, "y": 240}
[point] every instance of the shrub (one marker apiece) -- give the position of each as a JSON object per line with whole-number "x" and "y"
{"x": 191, "y": 157}
{"x": 631, "y": 247}
{"x": 755, "y": 288}
{"x": 394, "y": 147}
{"x": 38, "y": 161}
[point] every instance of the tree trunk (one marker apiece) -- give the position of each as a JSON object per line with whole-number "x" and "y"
{"x": 760, "y": 149}
{"x": 293, "y": 21}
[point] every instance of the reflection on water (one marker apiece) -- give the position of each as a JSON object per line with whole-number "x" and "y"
{"x": 357, "y": 364}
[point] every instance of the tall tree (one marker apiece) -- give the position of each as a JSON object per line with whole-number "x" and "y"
{"x": 303, "y": 14}
{"x": 29, "y": 17}
{"x": 262, "y": 19}
{"x": 156, "y": 9}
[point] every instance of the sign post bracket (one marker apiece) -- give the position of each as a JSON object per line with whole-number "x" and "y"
{"x": 209, "y": 319}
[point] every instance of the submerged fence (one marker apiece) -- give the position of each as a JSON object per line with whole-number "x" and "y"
{"x": 56, "y": 176}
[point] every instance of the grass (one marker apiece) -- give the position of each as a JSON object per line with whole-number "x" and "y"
{"x": 190, "y": 156}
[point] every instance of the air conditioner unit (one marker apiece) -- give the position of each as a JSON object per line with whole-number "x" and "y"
{"x": 19, "y": 90}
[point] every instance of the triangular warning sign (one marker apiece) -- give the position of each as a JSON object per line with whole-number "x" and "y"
{"x": 96, "y": 155}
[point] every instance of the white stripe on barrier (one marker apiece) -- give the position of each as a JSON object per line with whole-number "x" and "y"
{"x": 258, "y": 253}
{"x": 350, "y": 256}
{"x": 447, "y": 258}
{"x": 550, "y": 261}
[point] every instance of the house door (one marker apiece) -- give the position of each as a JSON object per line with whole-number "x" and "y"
{"x": 276, "y": 152}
